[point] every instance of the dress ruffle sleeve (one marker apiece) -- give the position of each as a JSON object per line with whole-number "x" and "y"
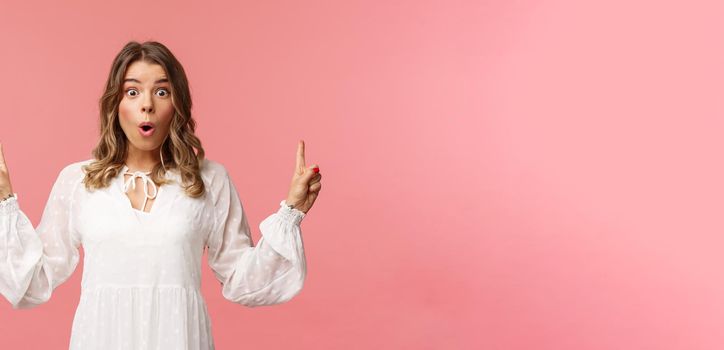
{"x": 34, "y": 261}
{"x": 273, "y": 271}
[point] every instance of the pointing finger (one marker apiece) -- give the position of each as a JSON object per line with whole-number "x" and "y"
{"x": 2, "y": 158}
{"x": 300, "y": 156}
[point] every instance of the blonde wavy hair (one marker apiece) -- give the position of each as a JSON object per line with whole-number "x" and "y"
{"x": 177, "y": 151}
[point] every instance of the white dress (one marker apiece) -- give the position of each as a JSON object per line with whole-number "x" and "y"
{"x": 140, "y": 287}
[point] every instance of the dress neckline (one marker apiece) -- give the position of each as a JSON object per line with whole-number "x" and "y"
{"x": 130, "y": 183}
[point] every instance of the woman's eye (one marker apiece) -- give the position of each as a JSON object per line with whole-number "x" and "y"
{"x": 165, "y": 92}
{"x": 129, "y": 91}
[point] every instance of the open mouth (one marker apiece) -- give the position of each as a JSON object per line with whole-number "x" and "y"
{"x": 146, "y": 129}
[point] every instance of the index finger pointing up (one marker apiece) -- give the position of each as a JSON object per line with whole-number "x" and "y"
{"x": 2, "y": 159}
{"x": 300, "y": 156}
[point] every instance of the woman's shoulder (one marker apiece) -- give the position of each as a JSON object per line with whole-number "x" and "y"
{"x": 71, "y": 174}
{"x": 212, "y": 170}
{"x": 75, "y": 169}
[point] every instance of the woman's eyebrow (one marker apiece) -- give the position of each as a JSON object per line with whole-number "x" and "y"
{"x": 163, "y": 80}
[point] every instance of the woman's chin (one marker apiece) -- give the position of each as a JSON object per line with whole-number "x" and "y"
{"x": 145, "y": 145}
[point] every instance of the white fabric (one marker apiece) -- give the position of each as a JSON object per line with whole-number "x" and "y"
{"x": 140, "y": 287}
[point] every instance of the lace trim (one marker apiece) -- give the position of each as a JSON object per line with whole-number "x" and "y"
{"x": 291, "y": 214}
{"x": 9, "y": 205}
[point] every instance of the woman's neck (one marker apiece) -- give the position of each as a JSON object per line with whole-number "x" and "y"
{"x": 142, "y": 161}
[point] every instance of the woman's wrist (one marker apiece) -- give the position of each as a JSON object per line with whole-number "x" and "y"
{"x": 291, "y": 206}
{"x": 7, "y": 196}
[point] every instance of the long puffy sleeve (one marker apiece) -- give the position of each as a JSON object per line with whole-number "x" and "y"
{"x": 273, "y": 271}
{"x": 33, "y": 262}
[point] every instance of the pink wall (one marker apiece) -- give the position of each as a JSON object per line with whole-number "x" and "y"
{"x": 497, "y": 175}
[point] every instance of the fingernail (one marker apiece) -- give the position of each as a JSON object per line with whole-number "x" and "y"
{"x": 316, "y": 170}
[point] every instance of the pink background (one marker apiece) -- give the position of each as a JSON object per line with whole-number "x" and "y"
{"x": 497, "y": 175}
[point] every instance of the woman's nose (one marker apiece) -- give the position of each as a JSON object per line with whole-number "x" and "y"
{"x": 147, "y": 106}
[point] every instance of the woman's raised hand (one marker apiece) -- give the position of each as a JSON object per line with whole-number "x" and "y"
{"x": 5, "y": 188}
{"x": 306, "y": 183}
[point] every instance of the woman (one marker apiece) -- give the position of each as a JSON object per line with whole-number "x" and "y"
{"x": 144, "y": 208}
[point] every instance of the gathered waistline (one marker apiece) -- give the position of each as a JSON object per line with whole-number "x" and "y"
{"x": 140, "y": 286}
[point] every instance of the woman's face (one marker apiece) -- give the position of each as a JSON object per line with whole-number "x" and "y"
{"x": 146, "y": 99}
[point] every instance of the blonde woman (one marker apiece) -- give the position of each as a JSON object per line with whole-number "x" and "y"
{"x": 144, "y": 208}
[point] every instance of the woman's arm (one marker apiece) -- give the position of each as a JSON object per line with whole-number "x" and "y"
{"x": 33, "y": 262}
{"x": 273, "y": 271}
